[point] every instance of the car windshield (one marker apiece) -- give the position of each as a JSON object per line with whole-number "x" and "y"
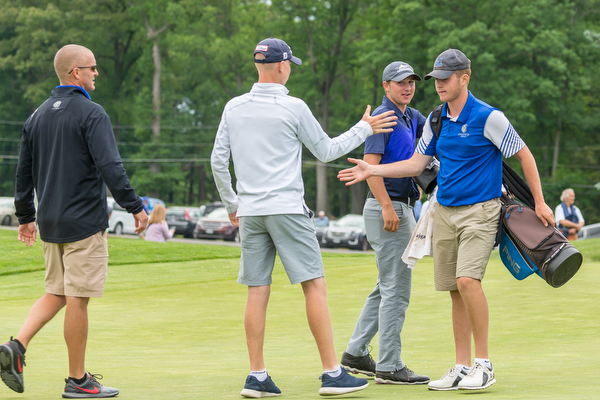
{"x": 351, "y": 221}
{"x": 219, "y": 213}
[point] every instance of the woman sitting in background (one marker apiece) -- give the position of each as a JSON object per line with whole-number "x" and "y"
{"x": 158, "y": 230}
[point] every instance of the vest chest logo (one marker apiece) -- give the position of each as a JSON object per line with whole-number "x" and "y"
{"x": 57, "y": 104}
{"x": 463, "y": 131}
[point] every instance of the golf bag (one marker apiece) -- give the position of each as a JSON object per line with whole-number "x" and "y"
{"x": 526, "y": 245}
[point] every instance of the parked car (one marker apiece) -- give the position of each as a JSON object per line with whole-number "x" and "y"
{"x": 120, "y": 220}
{"x": 7, "y": 212}
{"x": 349, "y": 231}
{"x": 184, "y": 219}
{"x": 150, "y": 202}
{"x": 320, "y": 226}
{"x": 209, "y": 207}
{"x": 216, "y": 225}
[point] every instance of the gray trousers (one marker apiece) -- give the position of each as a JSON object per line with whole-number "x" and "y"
{"x": 386, "y": 306}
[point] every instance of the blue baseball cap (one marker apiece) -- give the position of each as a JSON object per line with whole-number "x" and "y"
{"x": 275, "y": 50}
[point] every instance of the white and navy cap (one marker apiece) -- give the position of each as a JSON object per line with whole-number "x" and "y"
{"x": 275, "y": 50}
{"x": 399, "y": 71}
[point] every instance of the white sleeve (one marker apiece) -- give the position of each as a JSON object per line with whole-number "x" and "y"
{"x": 323, "y": 147}
{"x": 500, "y": 131}
{"x": 559, "y": 214}
{"x": 579, "y": 215}
{"x": 219, "y": 160}
{"x": 426, "y": 139}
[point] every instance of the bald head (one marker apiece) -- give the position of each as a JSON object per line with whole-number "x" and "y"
{"x": 69, "y": 57}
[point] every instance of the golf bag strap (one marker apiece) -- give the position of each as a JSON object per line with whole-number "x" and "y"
{"x": 436, "y": 120}
{"x": 516, "y": 185}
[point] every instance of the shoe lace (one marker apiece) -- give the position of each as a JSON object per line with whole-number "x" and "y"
{"x": 371, "y": 361}
{"x": 474, "y": 369}
{"x": 95, "y": 377}
{"x": 451, "y": 372}
{"x": 22, "y": 355}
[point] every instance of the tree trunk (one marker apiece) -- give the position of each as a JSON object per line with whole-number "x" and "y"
{"x": 358, "y": 198}
{"x": 153, "y": 35}
{"x": 155, "y": 166}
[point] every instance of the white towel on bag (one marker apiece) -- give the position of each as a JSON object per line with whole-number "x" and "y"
{"x": 420, "y": 242}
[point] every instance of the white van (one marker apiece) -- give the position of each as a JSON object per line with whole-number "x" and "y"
{"x": 120, "y": 220}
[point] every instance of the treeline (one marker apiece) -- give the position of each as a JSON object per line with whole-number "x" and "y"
{"x": 167, "y": 68}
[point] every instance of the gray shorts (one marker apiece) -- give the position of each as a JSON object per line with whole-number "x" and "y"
{"x": 292, "y": 236}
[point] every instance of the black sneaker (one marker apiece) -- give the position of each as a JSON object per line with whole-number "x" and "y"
{"x": 405, "y": 376}
{"x": 362, "y": 364}
{"x": 256, "y": 389}
{"x": 342, "y": 384}
{"x": 91, "y": 388}
{"x": 12, "y": 361}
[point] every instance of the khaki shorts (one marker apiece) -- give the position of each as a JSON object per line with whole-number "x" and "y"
{"x": 463, "y": 239}
{"x": 77, "y": 269}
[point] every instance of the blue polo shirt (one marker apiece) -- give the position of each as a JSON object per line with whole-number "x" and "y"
{"x": 470, "y": 150}
{"x": 397, "y": 145}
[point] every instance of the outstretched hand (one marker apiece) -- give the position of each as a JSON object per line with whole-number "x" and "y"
{"x": 360, "y": 172}
{"x": 380, "y": 123}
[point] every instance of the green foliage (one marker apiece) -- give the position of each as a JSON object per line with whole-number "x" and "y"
{"x": 536, "y": 61}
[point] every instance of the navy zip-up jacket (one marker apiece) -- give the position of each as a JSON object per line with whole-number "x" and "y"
{"x": 69, "y": 155}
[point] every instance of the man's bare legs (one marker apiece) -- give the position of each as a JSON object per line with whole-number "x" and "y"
{"x": 41, "y": 312}
{"x": 75, "y": 328}
{"x": 255, "y": 318}
{"x": 76, "y": 334}
{"x": 317, "y": 312}
{"x": 469, "y": 317}
{"x": 319, "y": 320}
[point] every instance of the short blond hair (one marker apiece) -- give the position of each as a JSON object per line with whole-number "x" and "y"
{"x": 462, "y": 72}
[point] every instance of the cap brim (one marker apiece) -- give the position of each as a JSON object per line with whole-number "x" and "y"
{"x": 439, "y": 74}
{"x": 296, "y": 60}
{"x": 401, "y": 77}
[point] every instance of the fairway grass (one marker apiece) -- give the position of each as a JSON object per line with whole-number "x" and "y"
{"x": 174, "y": 330}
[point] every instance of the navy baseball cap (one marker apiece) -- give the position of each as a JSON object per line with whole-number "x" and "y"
{"x": 399, "y": 71}
{"x": 275, "y": 50}
{"x": 447, "y": 63}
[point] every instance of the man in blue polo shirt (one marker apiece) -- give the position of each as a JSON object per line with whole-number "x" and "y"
{"x": 389, "y": 222}
{"x": 473, "y": 139}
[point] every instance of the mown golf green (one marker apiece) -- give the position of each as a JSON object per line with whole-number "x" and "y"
{"x": 170, "y": 326}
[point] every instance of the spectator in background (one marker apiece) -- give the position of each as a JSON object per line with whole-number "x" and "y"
{"x": 158, "y": 229}
{"x": 568, "y": 216}
{"x": 321, "y": 220}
